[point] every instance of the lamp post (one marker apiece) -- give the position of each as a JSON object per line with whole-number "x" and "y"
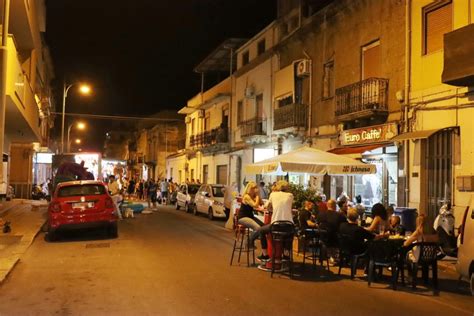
{"x": 84, "y": 89}
{"x": 80, "y": 125}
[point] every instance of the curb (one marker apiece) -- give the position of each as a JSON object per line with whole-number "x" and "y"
{"x": 8, "y": 271}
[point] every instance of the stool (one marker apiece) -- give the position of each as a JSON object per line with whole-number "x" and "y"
{"x": 282, "y": 233}
{"x": 242, "y": 244}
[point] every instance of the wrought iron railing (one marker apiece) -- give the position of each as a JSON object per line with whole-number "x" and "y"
{"x": 210, "y": 138}
{"x": 291, "y": 115}
{"x": 368, "y": 94}
{"x": 253, "y": 127}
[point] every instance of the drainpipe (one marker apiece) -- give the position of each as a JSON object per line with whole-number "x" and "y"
{"x": 406, "y": 100}
{"x": 3, "y": 81}
{"x": 310, "y": 106}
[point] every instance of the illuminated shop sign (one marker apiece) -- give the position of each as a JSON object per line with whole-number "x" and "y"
{"x": 368, "y": 135}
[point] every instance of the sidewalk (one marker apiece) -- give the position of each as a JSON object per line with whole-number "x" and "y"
{"x": 26, "y": 217}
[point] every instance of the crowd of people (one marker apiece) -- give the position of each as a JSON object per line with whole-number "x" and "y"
{"x": 334, "y": 216}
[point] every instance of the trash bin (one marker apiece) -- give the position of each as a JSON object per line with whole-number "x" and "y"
{"x": 408, "y": 217}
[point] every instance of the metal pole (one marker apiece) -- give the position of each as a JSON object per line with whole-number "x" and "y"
{"x": 3, "y": 81}
{"x": 63, "y": 117}
{"x": 68, "y": 146}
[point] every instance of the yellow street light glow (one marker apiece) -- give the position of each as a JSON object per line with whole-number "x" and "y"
{"x": 78, "y": 141}
{"x": 81, "y": 125}
{"x": 85, "y": 89}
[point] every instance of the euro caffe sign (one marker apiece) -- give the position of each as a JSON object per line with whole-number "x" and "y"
{"x": 369, "y": 135}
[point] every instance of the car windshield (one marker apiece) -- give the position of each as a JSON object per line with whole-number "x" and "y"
{"x": 218, "y": 191}
{"x": 192, "y": 189}
{"x": 79, "y": 190}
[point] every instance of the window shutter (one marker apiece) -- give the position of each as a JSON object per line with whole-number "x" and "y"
{"x": 437, "y": 22}
{"x": 372, "y": 62}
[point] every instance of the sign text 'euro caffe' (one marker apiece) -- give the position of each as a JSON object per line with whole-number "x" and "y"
{"x": 369, "y": 135}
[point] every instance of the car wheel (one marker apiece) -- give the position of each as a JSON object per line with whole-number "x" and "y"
{"x": 113, "y": 230}
{"x": 472, "y": 284}
{"x": 51, "y": 235}
{"x": 210, "y": 214}
{"x": 177, "y": 206}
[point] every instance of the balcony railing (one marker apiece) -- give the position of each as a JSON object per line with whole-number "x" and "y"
{"x": 292, "y": 115}
{"x": 210, "y": 138}
{"x": 253, "y": 127}
{"x": 363, "y": 97}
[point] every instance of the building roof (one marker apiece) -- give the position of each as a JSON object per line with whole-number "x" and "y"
{"x": 219, "y": 59}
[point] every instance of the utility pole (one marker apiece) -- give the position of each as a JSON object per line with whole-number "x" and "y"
{"x": 3, "y": 82}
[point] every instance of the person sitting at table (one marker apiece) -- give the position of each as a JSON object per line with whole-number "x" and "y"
{"x": 395, "y": 227}
{"x": 379, "y": 223}
{"x": 342, "y": 204}
{"x": 280, "y": 203}
{"x": 250, "y": 202}
{"x": 330, "y": 220}
{"x": 417, "y": 236}
{"x": 357, "y": 234}
{"x": 306, "y": 217}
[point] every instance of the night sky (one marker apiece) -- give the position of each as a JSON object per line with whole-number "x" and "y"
{"x": 139, "y": 55}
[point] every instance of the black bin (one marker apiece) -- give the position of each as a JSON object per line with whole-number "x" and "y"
{"x": 408, "y": 217}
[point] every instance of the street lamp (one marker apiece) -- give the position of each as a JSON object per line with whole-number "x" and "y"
{"x": 78, "y": 141}
{"x": 80, "y": 126}
{"x": 83, "y": 89}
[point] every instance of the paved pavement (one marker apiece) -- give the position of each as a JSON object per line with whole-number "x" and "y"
{"x": 173, "y": 263}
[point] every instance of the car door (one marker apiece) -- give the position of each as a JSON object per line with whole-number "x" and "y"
{"x": 199, "y": 199}
{"x": 181, "y": 196}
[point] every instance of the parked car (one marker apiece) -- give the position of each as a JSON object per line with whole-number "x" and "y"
{"x": 465, "y": 264}
{"x": 185, "y": 196}
{"x": 210, "y": 200}
{"x": 81, "y": 204}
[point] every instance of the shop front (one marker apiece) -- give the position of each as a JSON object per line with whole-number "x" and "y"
{"x": 372, "y": 145}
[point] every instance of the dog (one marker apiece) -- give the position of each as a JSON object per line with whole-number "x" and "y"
{"x": 128, "y": 213}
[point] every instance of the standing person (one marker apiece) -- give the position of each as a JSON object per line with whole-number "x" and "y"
{"x": 114, "y": 190}
{"x": 131, "y": 187}
{"x": 145, "y": 189}
{"x": 228, "y": 198}
{"x": 360, "y": 207}
{"x": 263, "y": 191}
{"x": 280, "y": 202}
{"x": 151, "y": 194}
{"x": 164, "y": 188}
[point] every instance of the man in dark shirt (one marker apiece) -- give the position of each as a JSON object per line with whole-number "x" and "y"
{"x": 330, "y": 220}
{"x": 305, "y": 218}
{"x": 355, "y": 233}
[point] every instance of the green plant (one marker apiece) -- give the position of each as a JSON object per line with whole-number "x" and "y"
{"x": 301, "y": 195}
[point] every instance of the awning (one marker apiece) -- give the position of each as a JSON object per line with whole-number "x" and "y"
{"x": 415, "y": 135}
{"x": 355, "y": 150}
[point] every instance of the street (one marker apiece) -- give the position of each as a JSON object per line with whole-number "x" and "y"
{"x": 173, "y": 263}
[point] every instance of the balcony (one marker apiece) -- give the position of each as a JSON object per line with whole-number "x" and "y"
{"x": 291, "y": 116}
{"x": 363, "y": 99}
{"x": 459, "y": 57}
{"x": 254, "y": 130}
{"x": 210, "y": 141}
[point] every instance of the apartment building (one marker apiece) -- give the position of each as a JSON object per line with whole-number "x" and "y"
{"x": 28, "y": 94}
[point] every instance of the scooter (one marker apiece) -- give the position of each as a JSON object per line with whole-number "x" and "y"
{"x": 444, "y": 227}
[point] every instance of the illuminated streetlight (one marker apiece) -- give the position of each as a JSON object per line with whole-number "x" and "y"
{"x": 83, "y": 89}
{"x": 78, "y": 141}
{"x": 80, "y": 126}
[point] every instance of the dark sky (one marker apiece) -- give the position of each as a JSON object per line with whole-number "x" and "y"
{"x": 139, "y": 55}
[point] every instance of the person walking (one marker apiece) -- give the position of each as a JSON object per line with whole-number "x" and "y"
{"x": 151, "y": 194}
{"x": 114, "y": 190}
{"x": 164, "y": 189}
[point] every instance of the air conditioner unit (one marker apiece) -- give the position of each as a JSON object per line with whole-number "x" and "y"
{"x": 187, "y": 120}
{"x": 303, "y": 68}
{"x": 249, "y": 92}
{"x": 201, "y": 114}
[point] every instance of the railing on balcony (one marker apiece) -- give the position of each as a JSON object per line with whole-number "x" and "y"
{"x": 253, "y": 127}
{"x": 210, "y": 138}
{"x": 367, "y": 95}
{"x": 291, "y": 115}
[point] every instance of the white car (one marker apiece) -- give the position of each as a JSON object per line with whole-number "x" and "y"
{"x": 210, "y": 200}
{"x": 465, "y": 264}
{"x": 185, "y": 196}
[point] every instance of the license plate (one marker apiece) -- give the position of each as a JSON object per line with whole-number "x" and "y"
{"x": 83, "y": 205}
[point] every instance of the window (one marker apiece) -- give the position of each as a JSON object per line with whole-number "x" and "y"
{"x": 207, "y": 122}
{"x": 259, "y": 105}
{"x": 81, "y": 190}
{"x": 261, "y": 47}
{"x": 240, "y": 112}
{"x": 328, "y": 80}
{"x": 221, "y": 174}
{"x": 205, "y": 173}
{"x": 285, "y": 101}
{"x": 193, "y": 126}
{"x": 371, "y": 61}
{"x": 437, "y": 20}
{"x": 245, "y": 58}
{"x": 192, "y": 174}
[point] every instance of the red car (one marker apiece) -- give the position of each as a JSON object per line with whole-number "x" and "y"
{"x": 81, "y": 204}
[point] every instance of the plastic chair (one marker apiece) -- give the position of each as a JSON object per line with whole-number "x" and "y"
{"x": 348, "y": 253}
{"x": 314, "y": 239}
{"x": 428, "y": 258}
{"x": 283, "y": 232}
{"x": 384, "y": 253}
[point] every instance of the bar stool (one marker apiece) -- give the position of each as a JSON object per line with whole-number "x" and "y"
{"x": 282, "y": 233}
{"x": 242, "y": 244}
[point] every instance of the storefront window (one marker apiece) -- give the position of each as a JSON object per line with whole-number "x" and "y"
{"x": 369, "y": 186}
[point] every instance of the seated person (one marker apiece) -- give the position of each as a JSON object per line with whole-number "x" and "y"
{"x": 395, "y": 227}
{"x": 305, "y": 216}
{"x": 330, "y": 220}
{"x": 357, "y": 234}
{"x": 417, "y": 236}
{"x": 380, "y": 221}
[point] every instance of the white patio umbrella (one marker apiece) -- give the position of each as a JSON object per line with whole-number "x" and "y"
{"x": 312, "y": 161}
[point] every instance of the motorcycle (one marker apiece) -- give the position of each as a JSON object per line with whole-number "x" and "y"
{"x": 444, "y": 227}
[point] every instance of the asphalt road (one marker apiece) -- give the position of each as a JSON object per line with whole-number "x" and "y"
{"x": 172, "y": 263}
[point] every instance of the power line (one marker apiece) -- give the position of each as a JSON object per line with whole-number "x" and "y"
{"x": 118, "y": 117}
